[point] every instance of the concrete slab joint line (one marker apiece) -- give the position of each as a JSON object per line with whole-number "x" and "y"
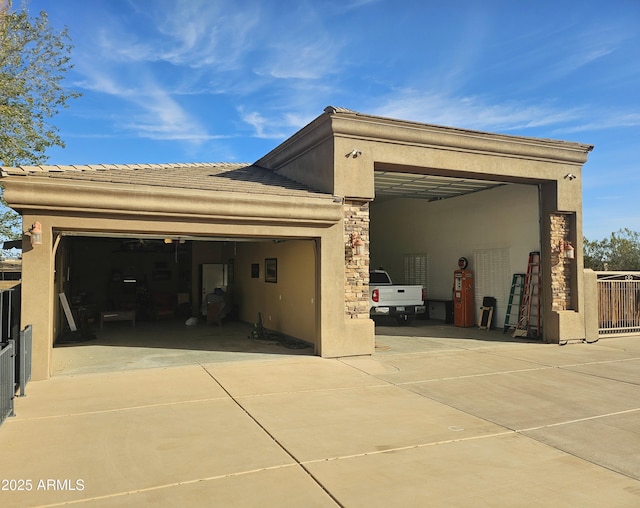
{"x": 170, "y": 485}
{"x": 273, "y": 438}
{"x": 431, "y": 422}
{"x": 595, "y": 417}
{"x": 410, "y": 447}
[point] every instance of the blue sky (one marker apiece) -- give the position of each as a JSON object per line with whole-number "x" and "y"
{"x": 209, "y": 81}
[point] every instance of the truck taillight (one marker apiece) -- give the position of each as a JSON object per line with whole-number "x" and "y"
{"x": 424, "y": 295}
{"x": 375, "y": 296}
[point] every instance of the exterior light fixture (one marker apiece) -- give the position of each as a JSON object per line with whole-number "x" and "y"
{"x": 35, "y": 234}
{"x": 567, "y": 249}
{"x": 357, "y": 245}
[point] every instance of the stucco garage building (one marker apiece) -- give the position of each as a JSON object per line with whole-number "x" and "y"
{"x": 409, "y": 190}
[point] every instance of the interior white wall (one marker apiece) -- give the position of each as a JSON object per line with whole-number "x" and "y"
{"x": 506, "y": 217}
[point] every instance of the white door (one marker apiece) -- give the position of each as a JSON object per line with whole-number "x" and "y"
{"x": 214, "y": 275}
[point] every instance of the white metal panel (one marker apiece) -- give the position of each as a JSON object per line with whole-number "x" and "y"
{"x": 416, "y": 269}
{"x": 433, "y": 188}
{"x": 492, "y": 277}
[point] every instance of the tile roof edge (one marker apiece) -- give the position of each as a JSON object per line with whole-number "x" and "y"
{"x": 58, "y": 168}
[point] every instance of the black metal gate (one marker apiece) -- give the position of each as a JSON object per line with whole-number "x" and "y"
{"x": 7, "y": 379}
{"x": 618, "y": 303}
{"x": 15, "y": 349}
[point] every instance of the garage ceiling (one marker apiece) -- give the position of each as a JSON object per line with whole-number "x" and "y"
{"x": 391, "y": 184}
{"x": 172, "y": 236}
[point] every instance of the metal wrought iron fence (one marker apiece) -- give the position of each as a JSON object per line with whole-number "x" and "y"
{"x": 7, "y": 379}
{"x": 618, "y": 303}
{"x": 15, "y": 349}
{"x": 15, "y": 370}
{"x": 23, "y": 360}
{"x": 9, "y": 309}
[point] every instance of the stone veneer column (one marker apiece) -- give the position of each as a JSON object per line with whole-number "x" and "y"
{"x": 356, "y": 284}
{"x": 561, "y": 225}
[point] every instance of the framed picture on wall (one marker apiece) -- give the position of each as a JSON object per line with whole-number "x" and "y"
{"x": 271, "y": 270}
{"x": 255, "y": 270}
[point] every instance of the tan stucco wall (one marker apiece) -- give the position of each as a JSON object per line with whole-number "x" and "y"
{"x": 591, "y": 305}
{"x": 392, "y": 145}
{"x": 340, "y": 336}
{"x": 330, "y": 332}
{"x": 38, "y": 296}
{"x": 307, "y": 157}
{"x": 562, "y": 195}
{"x": 322, "y": 156}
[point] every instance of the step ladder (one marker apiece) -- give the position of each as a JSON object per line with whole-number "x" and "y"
{"x": 530, "y": 320}
{"x": 515, "y": 301}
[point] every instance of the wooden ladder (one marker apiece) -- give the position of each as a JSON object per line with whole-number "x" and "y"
{"x": 530, "y": 320}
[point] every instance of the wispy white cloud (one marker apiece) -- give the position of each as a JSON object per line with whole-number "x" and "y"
{"x": 472, "y": 112}
{"x": 356, "y": 4}
{"x": 300, "y": 59}
{"x": 603, "y": 121}
{"x": 258, "y": 122}
{"x": 277, "y": 125}
{"x": 209, "y": 35}
{"x": 299, "y": 46}
{"x": 97, "y": 81}
{"x": 116, "y": 45}
{"x": 491, "y": 113}
{"x": 197, "y": 34}
{"x": 593, "y": 43}
{"x": 201, "y": 48}
{"x": 554, "y": 52}
{"x": 163, "y": 118}
{"x": 158, "y": 116}
{"x": 192, "y": 33}
{"x": 152, "y": 58}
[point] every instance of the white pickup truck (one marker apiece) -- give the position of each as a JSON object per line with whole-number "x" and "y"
{"x": 385, "y": 299}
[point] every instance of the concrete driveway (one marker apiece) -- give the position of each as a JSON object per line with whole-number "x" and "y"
{"x": 427, "y": 421}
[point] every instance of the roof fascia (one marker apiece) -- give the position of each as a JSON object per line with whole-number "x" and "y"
{"x": 366, "y": 127}
{"x": 335, "y": 122}
{"x": 24, "y": 193}
{"x": 303, "y": 141}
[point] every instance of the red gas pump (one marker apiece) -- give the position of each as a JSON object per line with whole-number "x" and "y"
{"x": 463, "y": 304}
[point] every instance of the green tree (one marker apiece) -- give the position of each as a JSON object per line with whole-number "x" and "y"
{"x": 34, "y": 60}
{"x": 621, "y": 251}
{"x": 10, "y": 223}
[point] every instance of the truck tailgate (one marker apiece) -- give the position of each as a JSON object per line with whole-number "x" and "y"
{"x": 400, "y": 295}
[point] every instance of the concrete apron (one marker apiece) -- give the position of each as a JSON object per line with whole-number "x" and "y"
{"x": 458, "y": 422}
{"x": 120, "y": 346}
